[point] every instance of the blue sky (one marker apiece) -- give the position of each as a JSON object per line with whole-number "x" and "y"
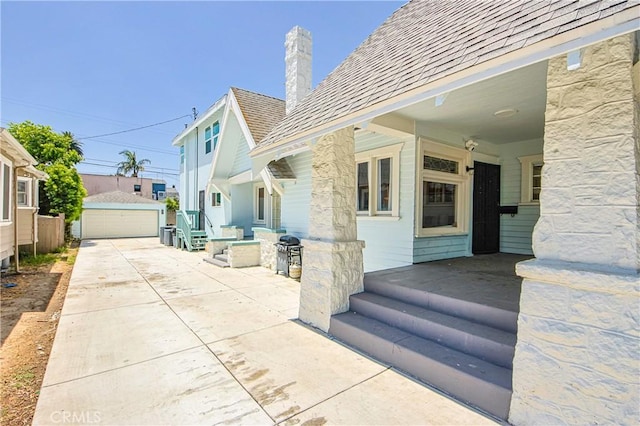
{"x": 100, "y": 67}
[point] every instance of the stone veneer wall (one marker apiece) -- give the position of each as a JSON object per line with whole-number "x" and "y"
{"x": 244, "y": 253}
{"x": 332, "y": 264}
{"x": 233, "y": 231}
{"x": 267, "y": 238}
{"x": 577, "y": 359}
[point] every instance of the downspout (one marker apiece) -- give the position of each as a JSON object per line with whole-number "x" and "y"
{"x": 195, "y": 174}
{"x": 34, "y": 217}
{"x": 16, "y": 251}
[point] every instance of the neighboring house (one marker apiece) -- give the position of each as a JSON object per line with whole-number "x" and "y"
{"x": 153, "y": 189}
{"x": 119, "y": 214}
{"x": 216, "y": 178}
{"x": 19, "y": 205}
{"x": 461, "y": 128}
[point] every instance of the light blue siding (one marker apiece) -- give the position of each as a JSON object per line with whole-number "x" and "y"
{"x": 515, "y": 232}
{"x": 297, "y": 196}
{"x": 242, "y": 161}
{"x": 389, "y": 243}
{"x": 242, "y": 207}
{"x": 437, "y": 248}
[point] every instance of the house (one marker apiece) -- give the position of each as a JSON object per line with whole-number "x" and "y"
{"x": 118, "y": 214}
{"x": 221, "y": 195}
{"x": 19, "y": 184}
{"x": 153, "y": 189}
{"x": 462, "y": 128}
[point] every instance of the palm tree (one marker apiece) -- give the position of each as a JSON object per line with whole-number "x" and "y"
{"x": 74, "y": 144}
{"x": 131, "y": 164}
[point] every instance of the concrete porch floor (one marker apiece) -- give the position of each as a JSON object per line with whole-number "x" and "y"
{"x": 487, "y": 279}
{"x": 154, "y": 335}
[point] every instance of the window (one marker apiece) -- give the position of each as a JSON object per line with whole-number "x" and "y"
{"x": 216, "y": 200}
{"x": 444, "y": 190}
{"x": 24, "y": 192}
{"x": 378, "y": 181}
{"x": 182, "y": 154}
{"x": 137, "y": 188}
{"x": 6, "y": 191}
{"x": 531, "y": 179}
{"x": 259, "y": 204}
{"x": 211, "y": 134}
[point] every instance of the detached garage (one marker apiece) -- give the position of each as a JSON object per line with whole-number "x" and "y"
{"x": 120, "y": 215}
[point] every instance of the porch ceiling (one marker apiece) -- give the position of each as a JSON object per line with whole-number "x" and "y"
{"x": 470, "y": 110}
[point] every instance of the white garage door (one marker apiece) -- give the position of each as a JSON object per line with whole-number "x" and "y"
{"x": 119, "y": 223}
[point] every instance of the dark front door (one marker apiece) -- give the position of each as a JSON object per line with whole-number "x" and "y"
{"x": 201, "y": 209}
{"x": 486, "y": 213}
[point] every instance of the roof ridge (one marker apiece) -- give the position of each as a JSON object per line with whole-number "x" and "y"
{"x": 256, "y": 93}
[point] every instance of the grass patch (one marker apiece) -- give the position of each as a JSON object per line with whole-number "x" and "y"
{"x": 38, "y": 259}
{"x": 71, "y": 259}
{"x": 23, "y": 378}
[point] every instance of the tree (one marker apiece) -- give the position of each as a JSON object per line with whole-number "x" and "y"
{"x": 131, "y": 164}
{"x": 172, "y": 204}
{"x": 63, "y": 191}
{"x": 74, "y": 144}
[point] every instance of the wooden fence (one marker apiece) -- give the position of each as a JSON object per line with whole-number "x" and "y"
{"x": 50, "y": 233}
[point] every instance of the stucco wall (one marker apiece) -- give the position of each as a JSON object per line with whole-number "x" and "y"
{"x": 577, "y": 358}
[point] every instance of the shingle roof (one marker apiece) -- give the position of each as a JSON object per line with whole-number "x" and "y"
{"x": 424, "y": 41}
{"x": 119, "y": 197}
{"x": 261, "y": 113}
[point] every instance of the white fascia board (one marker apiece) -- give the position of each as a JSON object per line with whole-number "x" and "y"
{"x": 221, "y": 137}
{"x": 595, "y": 32}
{"x": 177, "y": 141}
{"x": 240, "y": 178}
{"x": 15, "y": 149}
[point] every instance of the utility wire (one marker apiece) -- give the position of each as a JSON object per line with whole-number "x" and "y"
{"x": 137, "y": 128}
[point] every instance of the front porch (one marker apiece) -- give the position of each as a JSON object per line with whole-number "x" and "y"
{"x": 450, "y": 323}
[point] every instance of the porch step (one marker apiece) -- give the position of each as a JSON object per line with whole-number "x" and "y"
{"x": 216, "y": 262}
{"x": 467, "y": 378}
{"x": 491, "y": 316}
{"x": 490, "y": 344}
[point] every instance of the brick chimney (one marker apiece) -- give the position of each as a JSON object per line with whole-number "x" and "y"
{"x": 298, "y": 66}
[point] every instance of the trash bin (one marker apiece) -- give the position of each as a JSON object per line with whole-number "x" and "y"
{"x": 174, "y": 236}
{"x": 162, "y": 229}
{"x": 168, "y": 236}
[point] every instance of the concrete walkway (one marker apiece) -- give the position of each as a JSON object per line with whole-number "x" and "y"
{"x": 153, "y": 335}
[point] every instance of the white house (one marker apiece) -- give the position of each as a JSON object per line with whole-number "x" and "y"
{"x": 461, "y": 128}
{"x": 19, "y": 204}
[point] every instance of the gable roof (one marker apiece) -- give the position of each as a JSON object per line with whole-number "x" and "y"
{"x": 261, "y": 113}
{"x": 118, "y": 197}
{"x": 425, "y": 41}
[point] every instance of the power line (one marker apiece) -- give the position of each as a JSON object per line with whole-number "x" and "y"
{"x": 156, "y": 171}
{"x": 137, "y": 128}
{"x": 115, "y": 164}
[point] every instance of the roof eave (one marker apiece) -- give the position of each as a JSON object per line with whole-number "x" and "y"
{"x": 615, "y": 25}
{"x": 177, "y": 141}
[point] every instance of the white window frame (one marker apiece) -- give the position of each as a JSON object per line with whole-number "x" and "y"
{"x": 527, "y": 163}
{"x": 461, "y": 179}
{"x": 256, "y": 189}
{"x": 372, "y": 157}
{"x": 6, "y": 198}
{"x": 27, "y": 193}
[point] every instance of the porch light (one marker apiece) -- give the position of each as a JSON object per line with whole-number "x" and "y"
{"x": 507, "y": 112}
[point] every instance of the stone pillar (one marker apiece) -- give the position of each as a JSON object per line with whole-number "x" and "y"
{"x": 577, "y": 359}
{"x": 298, "y": 66}
{"x": 332, "y": 267}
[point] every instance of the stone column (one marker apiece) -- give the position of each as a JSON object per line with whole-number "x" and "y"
{"x": 332, "y": 260}
{"x": 577, "y": 358}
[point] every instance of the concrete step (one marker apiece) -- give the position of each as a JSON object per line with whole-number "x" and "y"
{"x": 216, "y": 262}
{"x": 488, "y": 343}
{"x": 225, "y": 252}
{"x": 465, "y": 377}
{"x": 222, "y": 257}
{"x": 491, "y": 316}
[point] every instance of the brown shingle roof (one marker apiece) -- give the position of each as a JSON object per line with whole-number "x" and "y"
{"x": 424, "y": 41}
{"x": 261, "y": 113}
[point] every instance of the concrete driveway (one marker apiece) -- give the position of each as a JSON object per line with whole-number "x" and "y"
{"x": 153, "y": 335}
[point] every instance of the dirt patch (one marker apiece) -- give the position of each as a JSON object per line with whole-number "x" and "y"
{"x": 29, "y": 317}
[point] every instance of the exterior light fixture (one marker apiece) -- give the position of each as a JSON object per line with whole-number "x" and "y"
{"x": 574, "y": 60}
